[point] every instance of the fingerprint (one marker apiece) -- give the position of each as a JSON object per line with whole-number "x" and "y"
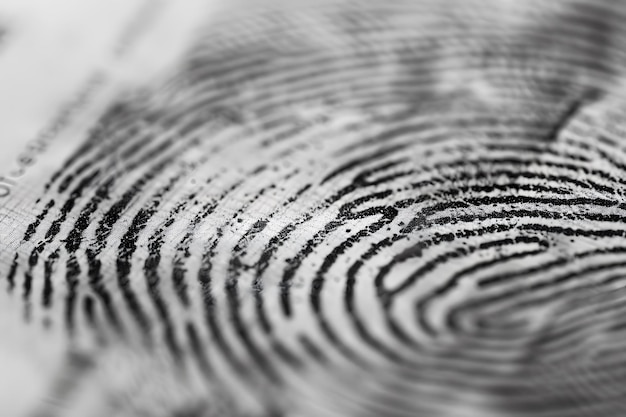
{"x": 350, "y": 208}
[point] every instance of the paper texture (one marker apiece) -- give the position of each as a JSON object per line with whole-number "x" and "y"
{"x": 316, "y": 208}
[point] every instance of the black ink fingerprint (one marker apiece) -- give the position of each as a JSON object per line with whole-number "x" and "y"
{"x": 356, "y": 209}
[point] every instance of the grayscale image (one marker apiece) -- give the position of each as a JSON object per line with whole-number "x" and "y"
{"x": 312, "y": 208}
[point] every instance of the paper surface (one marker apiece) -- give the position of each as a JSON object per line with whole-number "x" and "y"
{"x": 316, "y": 208}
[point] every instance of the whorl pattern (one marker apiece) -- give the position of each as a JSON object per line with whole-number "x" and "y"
{"x": 350, "y": 208}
